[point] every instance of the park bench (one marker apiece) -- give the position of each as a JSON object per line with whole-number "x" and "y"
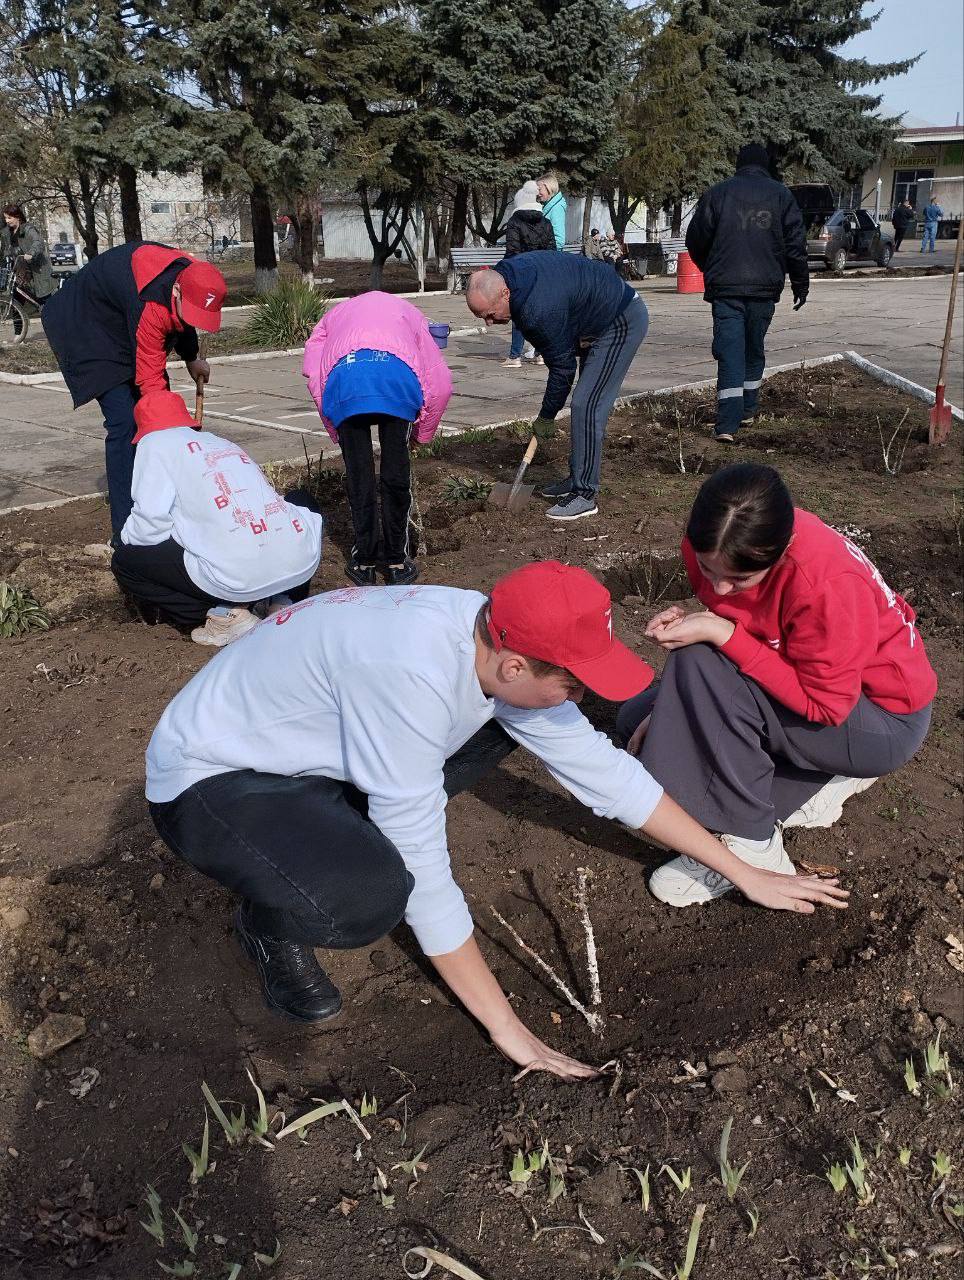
{"x": 463, "y": 261}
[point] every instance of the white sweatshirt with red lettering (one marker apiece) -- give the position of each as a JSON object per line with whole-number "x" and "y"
{"x": 241, "y": 540}
{"x": 377, "y": 686}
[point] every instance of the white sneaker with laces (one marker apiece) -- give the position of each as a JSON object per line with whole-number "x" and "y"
{"x": 684, "y": 882}
{"x": 224, "y": 625}
{"x": 826, "y": 807}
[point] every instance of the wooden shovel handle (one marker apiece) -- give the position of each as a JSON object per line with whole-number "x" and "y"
{"x": 950, "y": 304}
{"x": 530, "y": 452}
{"x": 199, "y": 400}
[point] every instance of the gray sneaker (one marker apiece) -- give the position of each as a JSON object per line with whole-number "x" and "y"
{"x": 557, "y": 490}
{"x": 573, "y": 507}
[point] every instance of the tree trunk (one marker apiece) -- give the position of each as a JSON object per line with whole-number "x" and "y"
{"x": 129, "y": 203}
{"x": 306, "y": 238}
{"x": 677, "y": 218}
{"x": 460, "y": 209}
{"x": 587, "y": 215}
{"x": 262, "y": 233}
{"x": 379, "y": 257}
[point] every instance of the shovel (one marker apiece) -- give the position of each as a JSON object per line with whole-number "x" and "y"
{"x": 514, "y": 496}
{"x": 940, "y": 417}
{"x": 199, "y": 385}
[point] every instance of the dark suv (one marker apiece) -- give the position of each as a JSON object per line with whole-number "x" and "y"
{"x": 837, "y": 236}
{"x": 65, "y": 257}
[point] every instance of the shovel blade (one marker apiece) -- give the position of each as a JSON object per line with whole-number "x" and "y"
{"x": 501, "y": 495}
{"x": 940, "y": 424}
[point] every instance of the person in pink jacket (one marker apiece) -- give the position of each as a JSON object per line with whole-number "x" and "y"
{"x": 371, "y": 361}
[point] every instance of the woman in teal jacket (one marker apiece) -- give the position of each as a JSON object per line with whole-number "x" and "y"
{"x": 553, "y": 207}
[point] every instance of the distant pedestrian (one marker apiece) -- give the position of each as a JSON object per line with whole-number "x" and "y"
{"x": 932, "y": 217}
{"x": 553, "y": 206}
{"x": 611, "y": 251}
{"x": 528, "y": 230}
{"x": 591, "y": 248}
{"x": 902, "y": 217}
{"x": 578, "y": 313}
{"x": 23, "y": 242}
{"x": 371, "y": 362}
{"x": 745, "y": 235}
{"x": 112, "y": 327}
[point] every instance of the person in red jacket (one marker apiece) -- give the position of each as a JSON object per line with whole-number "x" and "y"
{"x": 112, "y": 327}
{"x": 802, "y": 681}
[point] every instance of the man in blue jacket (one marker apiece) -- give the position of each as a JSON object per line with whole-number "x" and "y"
{"x": 932, "y": 220}
{"x": 745, "y": 236}
{"x": 574, "y": 312}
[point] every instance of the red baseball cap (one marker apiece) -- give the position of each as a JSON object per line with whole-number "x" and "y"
{"x": 159, "y": 410}
{"x": 561, "y": 614}
{"x": 203, "y": 290}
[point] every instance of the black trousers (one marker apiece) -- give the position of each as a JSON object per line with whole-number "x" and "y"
{"x": 155, "y": 577}
{"x": 303, "y": 851}
{"x": 395, "y": 482}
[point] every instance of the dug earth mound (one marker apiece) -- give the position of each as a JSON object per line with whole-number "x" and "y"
{"x": 799, "y": 1029}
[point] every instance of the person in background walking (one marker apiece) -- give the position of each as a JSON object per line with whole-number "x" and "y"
{"x": 576, "y": 313}
{"x": 804, "y": 680}
{"x": 112, "y": 327}
{"x": 932, "y": 217}
{"x": 208, "y": 539}
{"x": 902, "y": 217}
{"x": 371, "y": 361}
{"x": 528, "y": 230}
{"x": 21, "y": 241}
{"x": 745, "y": 235}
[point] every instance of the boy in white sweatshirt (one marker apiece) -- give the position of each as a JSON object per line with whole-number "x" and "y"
{"x": 309, "y": 767}
{"x": 208, "y": 534}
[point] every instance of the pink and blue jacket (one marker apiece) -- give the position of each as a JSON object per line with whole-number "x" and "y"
{"x": 381, "y": 322}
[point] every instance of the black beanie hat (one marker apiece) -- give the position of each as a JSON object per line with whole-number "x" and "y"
{"x": 753, "y": 153}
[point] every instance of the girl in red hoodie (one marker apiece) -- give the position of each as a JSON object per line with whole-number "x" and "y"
{"x": 802, "y": 681}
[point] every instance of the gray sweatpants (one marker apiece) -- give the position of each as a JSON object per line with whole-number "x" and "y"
{"x": 600, "y": 378}
{"x": 739, "y": 761}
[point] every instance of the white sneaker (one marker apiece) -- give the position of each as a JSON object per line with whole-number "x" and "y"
{"x": 224, "y": 625}
{"x": 824, "y": 809}
{"x": 684, "y": 882}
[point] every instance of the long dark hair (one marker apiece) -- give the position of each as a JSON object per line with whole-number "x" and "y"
{"x": 15, "y": 211}
{"x": 745, "y": 514}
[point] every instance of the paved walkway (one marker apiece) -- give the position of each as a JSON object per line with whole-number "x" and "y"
{"x": 48, "y": 452}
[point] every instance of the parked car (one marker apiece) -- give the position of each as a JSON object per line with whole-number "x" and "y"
{"x": 66, "y": 257}
{"x": 837, "y": 236}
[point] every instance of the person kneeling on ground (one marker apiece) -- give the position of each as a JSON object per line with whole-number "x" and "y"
{"x": 309, "y": 768}
{"x": 208, "y": 534}
{"x": 371, "y": 361}
{"x": 804, "y": 681}
{"x": 571, "y": 309}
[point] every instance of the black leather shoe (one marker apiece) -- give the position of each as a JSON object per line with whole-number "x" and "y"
{"x": 401, "y": 575}
{"x": 363, "y": 575}
{"x": 293, "y": 982}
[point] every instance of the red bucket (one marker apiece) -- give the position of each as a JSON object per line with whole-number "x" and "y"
{"x": 689, "y": 278}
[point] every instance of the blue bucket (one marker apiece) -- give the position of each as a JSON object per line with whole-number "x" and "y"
{"x": 440, "y": 333}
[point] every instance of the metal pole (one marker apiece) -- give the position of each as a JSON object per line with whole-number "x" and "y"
{"x": 880, "y": 183}
{"x": 420, "y": 246}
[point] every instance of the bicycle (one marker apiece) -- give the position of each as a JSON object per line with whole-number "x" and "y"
{"x": 15, "y": 298}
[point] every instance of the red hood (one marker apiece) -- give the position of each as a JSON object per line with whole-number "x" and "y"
{"x": 150, "y": 260}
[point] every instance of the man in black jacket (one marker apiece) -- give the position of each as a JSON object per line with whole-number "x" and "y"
{"x": 902, "y": 217}
{"x": 745, "y": 236}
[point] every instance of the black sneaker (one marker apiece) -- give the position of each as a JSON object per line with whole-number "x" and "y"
{"x": 293, "y": 982}
{"x": 557, "y": 490}
{"x": 363, "y": 575}
{"x": 401, "y": 575}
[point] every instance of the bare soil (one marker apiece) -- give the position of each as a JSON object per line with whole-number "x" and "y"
{"x": 797, "y": 1027}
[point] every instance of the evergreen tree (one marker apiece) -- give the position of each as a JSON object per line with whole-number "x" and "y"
{"x": 774, "y": 75}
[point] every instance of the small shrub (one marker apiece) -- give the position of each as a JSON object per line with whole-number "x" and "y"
{"x": 20, "y": 612}
{"x": 286, "y": 317}
{"x": 466, "y": 489}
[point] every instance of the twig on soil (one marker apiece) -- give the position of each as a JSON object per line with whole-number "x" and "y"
{"x": 354, "y": 1117}
{"x": 595, "y": 1020}
{"x": 592, "y": 963}
{"x": 433, "y": 1257}
{"x": 893, "y": 468}
{"x": 679, "y": 436}
{"x": 415, "y": 519}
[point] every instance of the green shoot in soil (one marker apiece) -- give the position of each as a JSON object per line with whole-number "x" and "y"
{"x": 20, "y": 612}
{"x": 753, "y": 1213}
{"x": 466, "y": 489}
{"x": 199, "y": 1159}
{"x": 233, "y": 1128}
{"x": 904, "y": 1157}
{"x": 181, "y": 1269}
{"x": 941, "y": 1166}
{"x": 412, "y": 1168}
{"x": 259, "y": 1126}
{"x": 730, "y": 1175}
{"x": 269, "y": 1259}
{"x": 190, "y": 1236}
{"x": 368, "y": 1108}
{"x": 681, "y": 1183}
{"x": 910, "y": 1077}
{"x": 837, "y": 1177}
{"x": 685, "y": 1270}
{"x": 857, "y": 1172}
{"x": 643, "y": 1179}
{"x": 318, "y": 1113}
{"x": 155, "y": 1224}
